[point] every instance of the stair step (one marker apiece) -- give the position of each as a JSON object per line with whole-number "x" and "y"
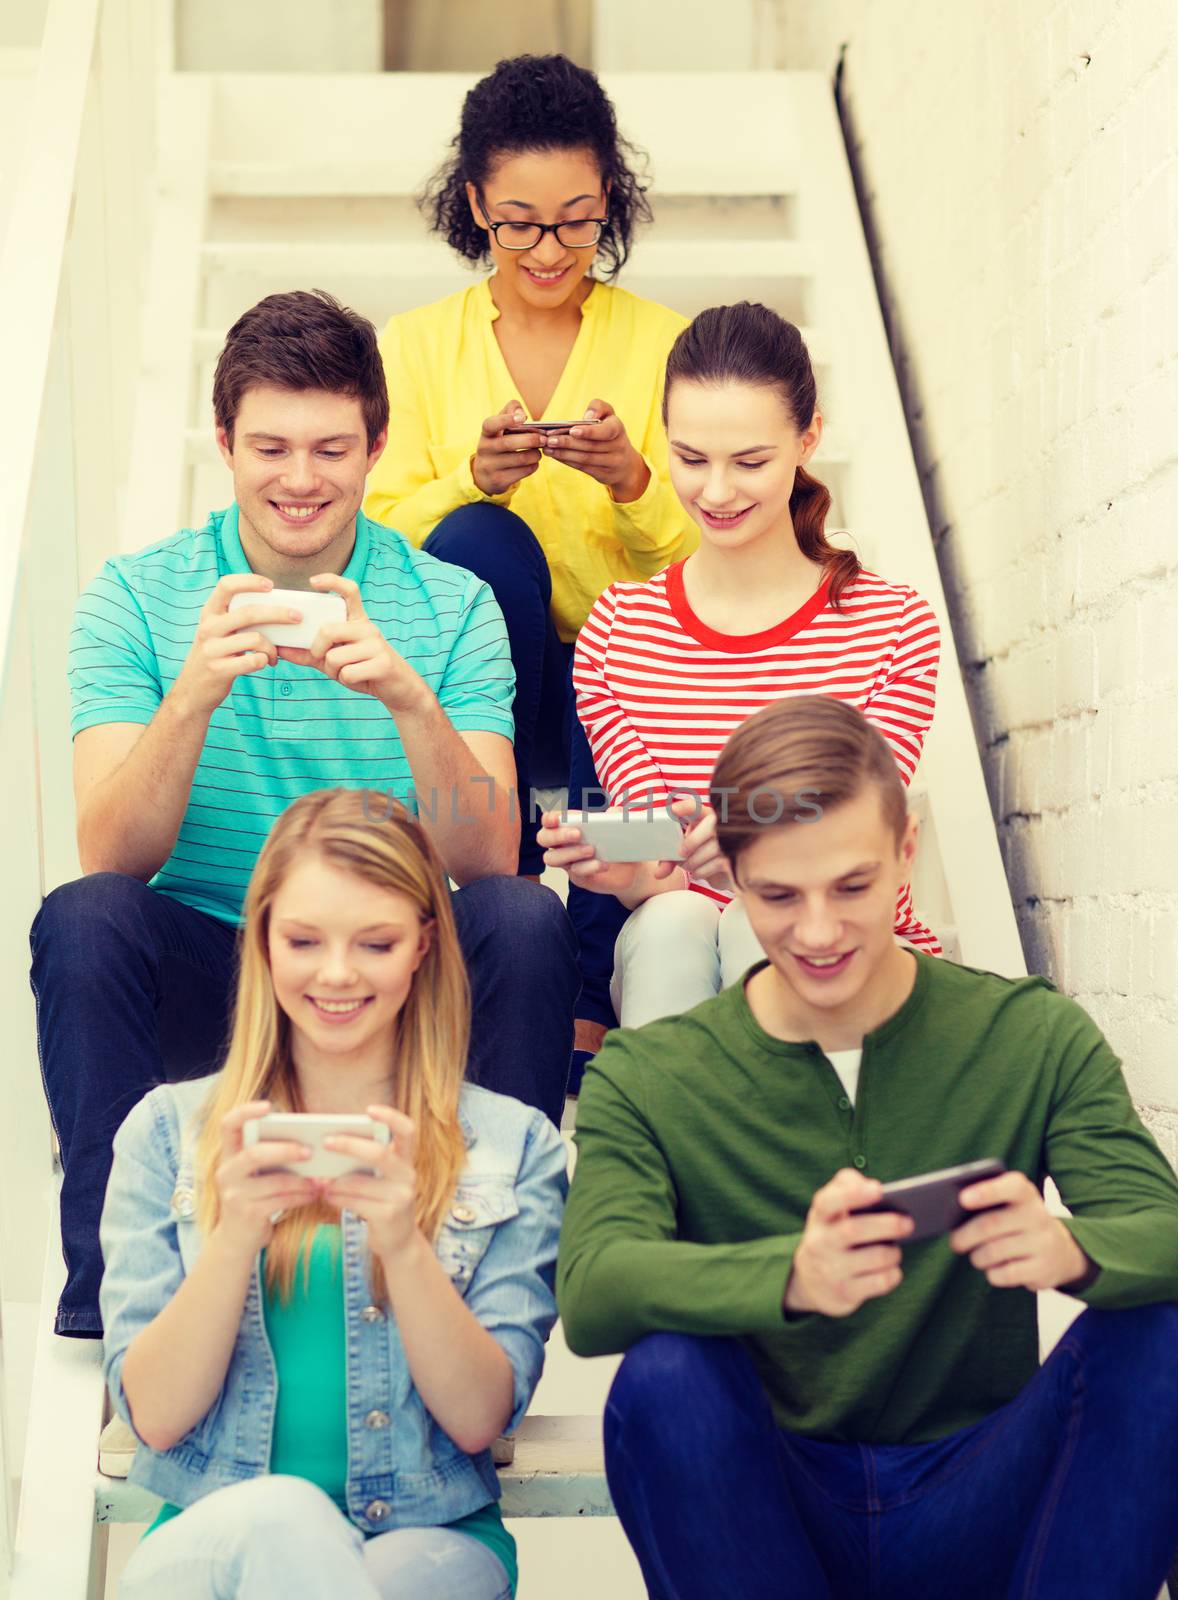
{"x": 379, "y": 279}
{"x": 388, "y": 218}
{"x": 734, "y": 259}
{"x": 558, "y": 1471}
{"x": 207, "y": 344}
{"x": 284, "y": 134}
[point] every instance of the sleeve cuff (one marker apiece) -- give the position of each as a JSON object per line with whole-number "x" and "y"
{"x": 100, "y": 716}
{"x": 471, "y": 493}
{"x": 646, "y": 499}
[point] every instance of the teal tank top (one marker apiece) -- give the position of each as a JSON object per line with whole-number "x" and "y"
{"x": 310, "y": 1439}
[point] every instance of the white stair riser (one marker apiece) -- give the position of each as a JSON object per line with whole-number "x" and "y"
{"x": 390, "y": 218}
{"x": 285, "y": 134}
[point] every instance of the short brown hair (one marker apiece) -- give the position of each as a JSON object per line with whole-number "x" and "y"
{"x": 794, "y": 759}
{"x": 302, "y": 340}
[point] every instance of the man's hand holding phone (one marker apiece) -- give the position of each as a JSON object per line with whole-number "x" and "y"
{"x": 1018, "y": 1244}
{"x": 228, "y": 644}
{"x": 842, "y": 1259}
{"x": 355, "y": 653}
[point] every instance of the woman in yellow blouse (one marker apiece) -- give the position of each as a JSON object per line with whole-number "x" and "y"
{"x": 539, "y": 186}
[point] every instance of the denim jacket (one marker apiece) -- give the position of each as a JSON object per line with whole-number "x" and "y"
{"x": 498, "y": 1243}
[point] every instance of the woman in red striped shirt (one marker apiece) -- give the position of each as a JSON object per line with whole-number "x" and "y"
{"x": 665, "y": 670}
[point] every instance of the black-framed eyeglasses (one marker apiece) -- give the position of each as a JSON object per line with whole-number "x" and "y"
{"x": 579, "y": 235}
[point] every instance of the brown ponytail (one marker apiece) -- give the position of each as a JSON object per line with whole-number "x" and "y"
{"x": 748, "y": 343}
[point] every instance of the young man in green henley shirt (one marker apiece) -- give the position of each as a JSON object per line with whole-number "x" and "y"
{"x": 808, "y": 1406}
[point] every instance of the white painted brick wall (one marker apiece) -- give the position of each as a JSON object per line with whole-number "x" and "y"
{"x": 1020, "y": 159}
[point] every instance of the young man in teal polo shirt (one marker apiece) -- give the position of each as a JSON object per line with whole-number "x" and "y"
{"x": 809, "y": 1406}
{"x": 193, "y": 732}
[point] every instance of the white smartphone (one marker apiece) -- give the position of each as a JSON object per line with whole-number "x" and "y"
{"x": 636, "y": 836}
{"x": 316, "y": 609}
{"x": 309, "y": 1128}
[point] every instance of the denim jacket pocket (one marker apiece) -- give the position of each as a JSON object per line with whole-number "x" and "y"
{"x": 475, "y": 1212}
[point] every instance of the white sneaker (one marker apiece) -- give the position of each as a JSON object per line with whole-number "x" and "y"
{"x": 116, "y": 1449}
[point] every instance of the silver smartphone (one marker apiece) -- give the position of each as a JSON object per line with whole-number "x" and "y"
{"x": 311, "y": 1128}
{"x": 635, "y": 836}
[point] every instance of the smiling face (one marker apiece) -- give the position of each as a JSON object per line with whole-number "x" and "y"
{"x": 734, "y": 453}
{"x": 343, "y": 953}
{"x": 540, "y": 186}
{"x": 821, "y": 899}
{"x": 299, "y": 459}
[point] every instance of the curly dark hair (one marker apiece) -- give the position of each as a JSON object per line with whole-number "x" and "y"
{"x": 536, "y": 103}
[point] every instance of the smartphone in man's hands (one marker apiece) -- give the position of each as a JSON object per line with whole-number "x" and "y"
{"x": 931, "y": 1199}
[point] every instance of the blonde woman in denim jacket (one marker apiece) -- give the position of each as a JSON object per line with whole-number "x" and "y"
{"x": 316, "y": 1370}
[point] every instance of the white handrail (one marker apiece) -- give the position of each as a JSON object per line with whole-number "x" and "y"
{"x": 71, "y": 271}
{"x": 31, "y": 264}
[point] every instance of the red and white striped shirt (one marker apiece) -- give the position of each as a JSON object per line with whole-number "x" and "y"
{"x": 659, "y": 692}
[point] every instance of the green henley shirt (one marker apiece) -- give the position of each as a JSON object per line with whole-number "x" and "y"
{"x": 701, "y": 1140}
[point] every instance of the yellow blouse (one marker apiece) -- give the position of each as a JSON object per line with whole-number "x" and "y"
{"x": 446, "y": 373}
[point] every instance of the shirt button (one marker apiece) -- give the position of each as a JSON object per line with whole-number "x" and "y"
{"x": 183, "y": 1203}
{"x": 860, "y": 1162}
{"x": 376, "y": 1510}
{"x": 377, "y": 1419}
{"x": 844, "y": 1103}
{"x": 286, "y": 689}
{"x": 462, "y": 1213}
{"x": 372, "y": 1314}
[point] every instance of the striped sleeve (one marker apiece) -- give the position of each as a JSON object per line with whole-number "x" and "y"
{"x": 901, "y": 707}
{"x": 477, "y": 691}
{"x": 624, "y": 765}
{"x": 113, "y": 671}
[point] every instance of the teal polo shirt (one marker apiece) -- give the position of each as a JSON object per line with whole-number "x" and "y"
{"x": 285, "y": 730}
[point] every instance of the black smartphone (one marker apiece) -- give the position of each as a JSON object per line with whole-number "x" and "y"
{"x": 931, "y": 1199}
{"x": 552, "y": 427}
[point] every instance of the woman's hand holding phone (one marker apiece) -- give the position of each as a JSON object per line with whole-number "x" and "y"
{"x": 603, "y": 452}
{"x": 251, "y": 1191}
{"x": 565, "y": 847}
{"x": 502, "y": 459}
{"x": 702, "y": 857}
{"x": 386, "y": 1196}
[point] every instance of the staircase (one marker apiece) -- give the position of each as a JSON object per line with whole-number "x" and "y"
{"x": 265, "y": 183}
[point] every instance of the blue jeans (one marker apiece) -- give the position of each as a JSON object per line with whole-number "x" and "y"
{"x": 500, "y": 548}
{"x": 550, "y": 744}
{"x": 282, "y": 1538}
{"x": 1069, "y": 1492}
{"x": 134, "y": 988}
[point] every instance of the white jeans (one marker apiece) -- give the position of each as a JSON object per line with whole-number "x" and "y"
{"x": 676, "y": 950}
{"x": 282, "y": 1538}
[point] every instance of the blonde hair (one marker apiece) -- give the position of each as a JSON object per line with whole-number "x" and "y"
{"x": 374, "y": 837}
